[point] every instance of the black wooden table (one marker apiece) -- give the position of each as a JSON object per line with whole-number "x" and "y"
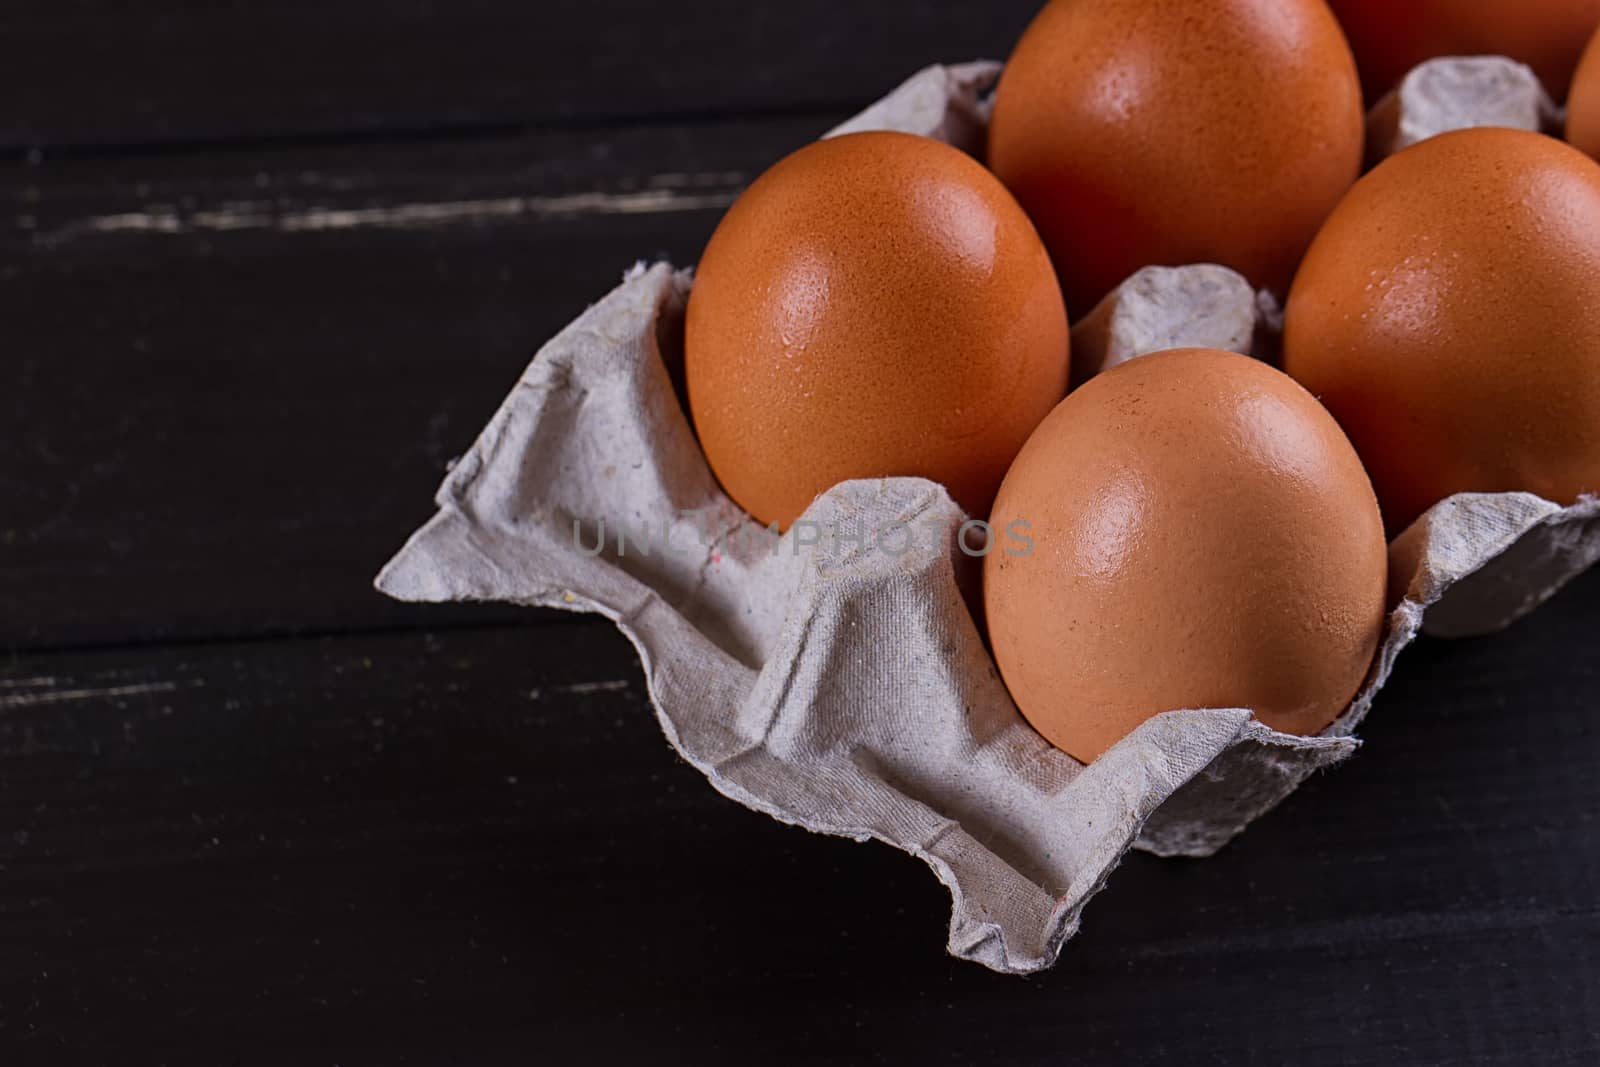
{"x": 250, "y": 812}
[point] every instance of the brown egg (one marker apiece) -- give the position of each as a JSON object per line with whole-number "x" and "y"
{"x": 875, "y": 305}
{"x": 1583, "y": 106}
{"x": 1189, "y": 530}
{"x": 1449, "y": 316}
{"x": 1166, "y": 132}
{"x": 1390, "y": 37}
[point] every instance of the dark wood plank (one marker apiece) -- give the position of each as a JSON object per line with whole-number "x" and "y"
{"x": 232, "y": 382}
{"x": 83, "y": 73}
{"x": 475, "y": 847}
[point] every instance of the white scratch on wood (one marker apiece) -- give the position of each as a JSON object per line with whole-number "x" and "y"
{"x": 580, "y": 689}
{"x": 61, "y": 696}
{"x": 595, "y": 687}
{"x": 668, "y": 197}
{"x": 27, "y": 683}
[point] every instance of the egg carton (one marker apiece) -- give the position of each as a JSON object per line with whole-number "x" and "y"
{"x": 834, "y": 678}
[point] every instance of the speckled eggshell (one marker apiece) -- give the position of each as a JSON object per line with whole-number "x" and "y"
{"x": 875, "y": 305}
{"x": 1448, "y": 315}
{"x": 1583, "y": 106}
{"x": 1163, "y": 132}
{"x": 1389, "y": 37}
{"x": 1189, "y": 530}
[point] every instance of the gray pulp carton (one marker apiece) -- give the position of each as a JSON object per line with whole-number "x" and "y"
{"x": 845, "y": 688}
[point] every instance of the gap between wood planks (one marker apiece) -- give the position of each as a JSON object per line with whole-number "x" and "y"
{"x": 432, "y": 619}
{"x": 134, "y": 679}
{"x": 561, "y": 176}
{"x": 26, "y": 150}
{"x": 44, "y": 691}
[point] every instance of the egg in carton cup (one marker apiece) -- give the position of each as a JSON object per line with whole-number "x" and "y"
{"x": 834, "y": 677}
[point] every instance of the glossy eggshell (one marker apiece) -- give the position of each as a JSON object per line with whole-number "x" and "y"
{"x": 1166, "y": 132}
{"x": 1449, "y": 316}
{"x": 1583, "y": 106}
{"x": 1389, "y": 37}
{"x": 1202, "y": 536}
{"x": 875, "y": 305}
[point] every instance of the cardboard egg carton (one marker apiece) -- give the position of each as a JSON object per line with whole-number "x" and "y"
{"x": 835, "y": 678}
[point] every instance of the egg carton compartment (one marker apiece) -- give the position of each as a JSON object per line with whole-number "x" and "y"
{"x": 1457, "y": 92}
{"x": 834, "y": 678}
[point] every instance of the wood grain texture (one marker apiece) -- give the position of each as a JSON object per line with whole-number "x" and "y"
{"x": 474, "y": 846}
{"x": 234, "y": 381}
{"x": 94, "y": 73}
